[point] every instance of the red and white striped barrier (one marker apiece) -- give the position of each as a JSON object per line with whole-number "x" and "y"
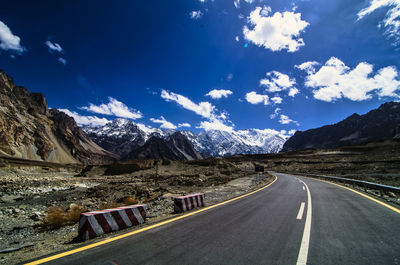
{"x": 96, "y": 223}
{"x": 188, "y": 202}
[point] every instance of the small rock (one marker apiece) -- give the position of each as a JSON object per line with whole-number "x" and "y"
{"x": 168, "y": 196}
{"x": 8, "y": 250}
{"x": 35, "y": 216}
{"x": 11, "y": 198}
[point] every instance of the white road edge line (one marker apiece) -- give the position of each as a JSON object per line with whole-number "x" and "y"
{"x": 301, "y": 210}
{"x": 305, "y": 241}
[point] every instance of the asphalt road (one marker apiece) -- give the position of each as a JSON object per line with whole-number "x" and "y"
{"x": 336, "y": 226}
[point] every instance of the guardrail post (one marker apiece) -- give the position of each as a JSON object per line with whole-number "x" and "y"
{"x": 381, "y": 193}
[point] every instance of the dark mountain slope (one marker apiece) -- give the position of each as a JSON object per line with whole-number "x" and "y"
{"x": 379, "y": 124}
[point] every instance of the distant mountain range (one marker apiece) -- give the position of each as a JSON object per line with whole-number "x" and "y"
{"x": 30, "y": 130}
{"x": 379, "y": 124}
{"x": 124, "y": 137}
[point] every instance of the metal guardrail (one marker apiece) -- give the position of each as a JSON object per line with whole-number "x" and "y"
{"x": 365, "y": 184}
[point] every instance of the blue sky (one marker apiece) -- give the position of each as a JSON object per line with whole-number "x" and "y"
{"x": 229, "y": 65}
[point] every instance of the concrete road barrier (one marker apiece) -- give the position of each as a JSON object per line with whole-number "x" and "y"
{"x": 188, "y": 202}
{"x": 96, "y": 223}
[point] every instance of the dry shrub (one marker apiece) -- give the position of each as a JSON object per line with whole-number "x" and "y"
{"x": 57, "y": 217}
{"x": 129, "y": 201}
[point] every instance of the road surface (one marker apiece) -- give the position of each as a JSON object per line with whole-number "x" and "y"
{"x": 294, "y": 221}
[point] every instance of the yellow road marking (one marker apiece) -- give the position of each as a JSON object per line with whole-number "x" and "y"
{"x": 364, "y": 195}
{"x": 70, "y": 252}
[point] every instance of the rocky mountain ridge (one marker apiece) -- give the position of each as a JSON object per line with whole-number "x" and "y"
{"x": 379, "y": 124}
{"x": 30, "y": 130}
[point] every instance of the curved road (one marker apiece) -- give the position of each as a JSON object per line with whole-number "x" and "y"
{"x": 336, "y": 226}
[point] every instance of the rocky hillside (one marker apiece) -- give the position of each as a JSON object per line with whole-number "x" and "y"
{"x": 175, "y": 147}
{"x": 30, "y": 130}
{"x": 377, "y": 125}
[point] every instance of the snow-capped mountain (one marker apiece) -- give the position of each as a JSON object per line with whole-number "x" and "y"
{"x": 223, "y": 143}
{"x": 121, "y": 136}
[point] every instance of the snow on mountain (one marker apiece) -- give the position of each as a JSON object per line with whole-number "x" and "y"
{"x": 121, "y": 136}
{"x": 223, "y": 143}
{"x": 122, "y": 128}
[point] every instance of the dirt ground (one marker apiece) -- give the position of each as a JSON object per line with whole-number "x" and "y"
{"x": 27, "y": 193}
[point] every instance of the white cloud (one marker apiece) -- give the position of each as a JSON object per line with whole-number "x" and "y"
{"x": 196, "y": 14}
{"x": 286, "y": 120}
{"x": 309, "y": 67}
{"x": 293, "y": 91}
{"x": 249, "y": 1}
{"x": 268, "y": 131}
{"x": 277, "y": 32}
{"x": 203, "y": 109}
{"x": 187, "y": 125}
{"x": 115, "y": 108}
{"x": 277, "y": 100}
{"x": 53, "y": 46}
{"x": 219, "y": 93}
{"x": 392, "y": 18}
{"x": 215, "y": 124}
{"x": 85, "y": 120}
{"x": 282, "y": 133}
{"x": 276, "y": 82}
{"x": 223, "y": 115}
{"x": 254, "y": 98}
{"x": 335, "y": 80}
{"x": 236, "y": 3}
{"x": 229, "y": 77}
{"x": 62, "y": 60}
{"x": 164, "y": 123}
{"x": 237, "y": 38}
{"x": 275, "y": 114}
{"x": 291, "y": 132}
{"x": 9, "y": 41}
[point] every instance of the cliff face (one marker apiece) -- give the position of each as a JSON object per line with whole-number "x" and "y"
{"x": 30, "y": 130}
{"x": 379, "y": 124}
